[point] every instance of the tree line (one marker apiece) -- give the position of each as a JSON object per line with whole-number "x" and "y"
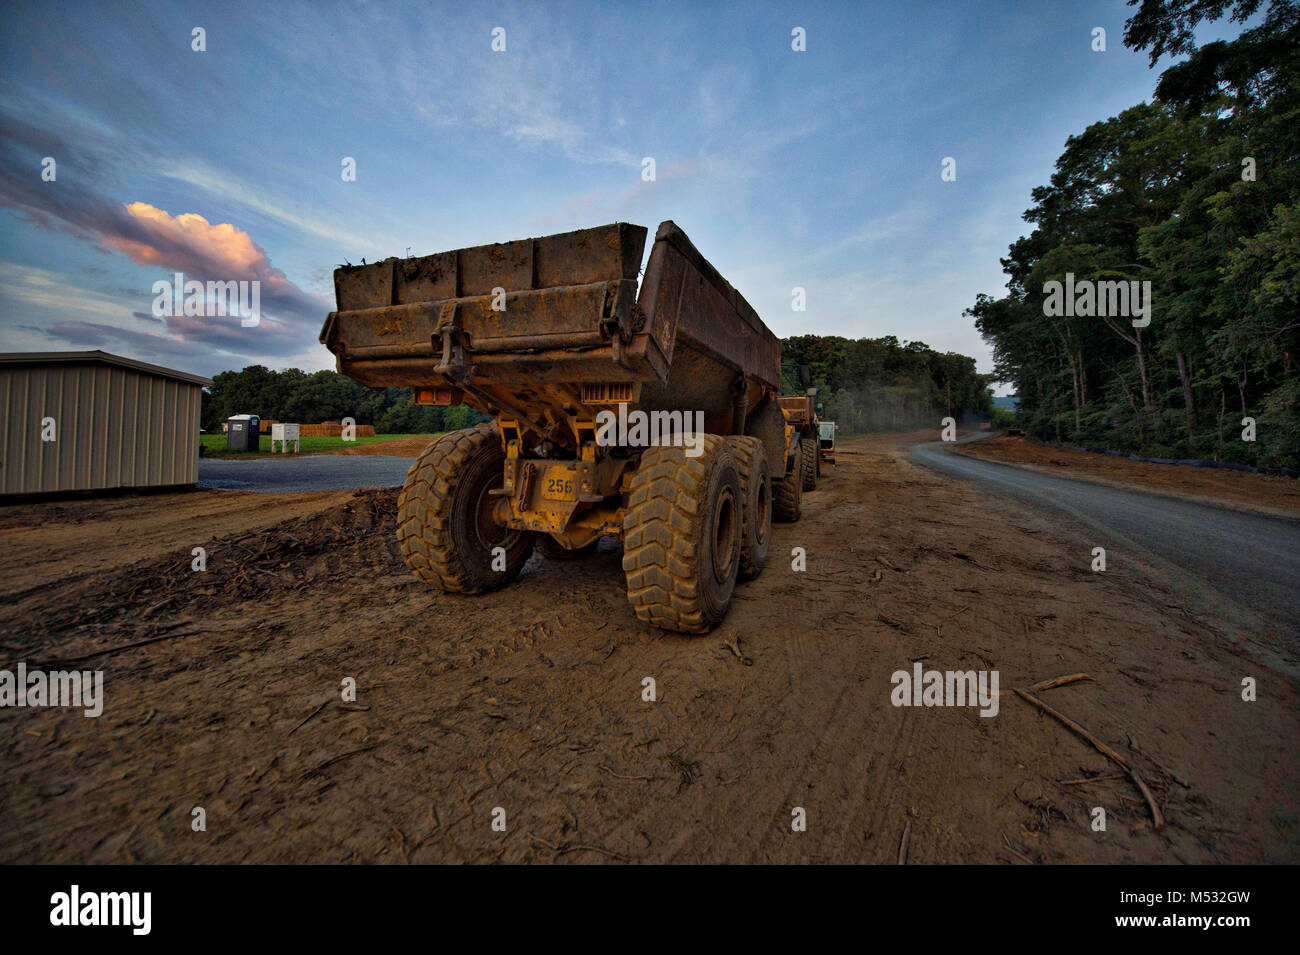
{"x": 1197, "y": 193}
{"x": 867, "y": 384}
{"x": 294, "y": 395}
{"x": 882, "y": 384}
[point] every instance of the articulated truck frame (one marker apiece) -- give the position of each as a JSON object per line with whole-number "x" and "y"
{"x": 550, "y": 337}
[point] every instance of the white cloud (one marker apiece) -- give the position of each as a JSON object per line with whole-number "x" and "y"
{"x": 54, "y": 291}
{"x": 226, "y": 186}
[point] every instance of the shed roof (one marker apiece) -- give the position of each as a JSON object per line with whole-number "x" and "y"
{"x": 99, "y": 358}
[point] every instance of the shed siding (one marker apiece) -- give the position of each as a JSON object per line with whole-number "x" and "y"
{"x": 116, "y": 428}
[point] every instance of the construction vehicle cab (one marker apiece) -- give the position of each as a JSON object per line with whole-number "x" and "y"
{"x": 826, "y": 440}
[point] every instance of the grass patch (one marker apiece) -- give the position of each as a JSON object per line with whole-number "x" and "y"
{"x": 214, "y": 445}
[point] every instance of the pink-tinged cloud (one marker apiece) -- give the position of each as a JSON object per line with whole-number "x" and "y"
{"x": 153, "y": 237}
{"x": 212, "y": 243}
{"x": 190, "y": 243}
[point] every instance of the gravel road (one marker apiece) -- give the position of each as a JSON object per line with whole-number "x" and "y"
{"x": 317, "y": 472}
{"x": 1250, "y": 558}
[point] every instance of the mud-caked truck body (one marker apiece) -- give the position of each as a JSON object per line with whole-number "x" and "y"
{"x": 801, "y": 416}
{"x": 650, "y": 417}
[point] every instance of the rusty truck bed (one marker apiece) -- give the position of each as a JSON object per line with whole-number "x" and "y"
{"x": 541, "y": 329}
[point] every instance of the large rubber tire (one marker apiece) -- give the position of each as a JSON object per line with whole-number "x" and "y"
{"x": 756, "y": 496}
{"x": 767, "y": 423}
{"x": 682, "y": 536}
{"x": 444, "y": 525}
{"x": 787, "y": 494}
{"x": 809, "y": 447}
{"x": 551, "y": 549}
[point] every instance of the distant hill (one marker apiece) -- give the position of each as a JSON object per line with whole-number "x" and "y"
{"x": 1010, "y": 402}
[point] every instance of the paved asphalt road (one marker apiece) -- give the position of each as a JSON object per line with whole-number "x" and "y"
{"x": 1253, "y": 558}
{"x": 316, "y": 472}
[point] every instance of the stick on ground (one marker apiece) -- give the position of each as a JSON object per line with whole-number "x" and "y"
{"x": 1102, "y": 748}
{"x": 1051, "y": 684}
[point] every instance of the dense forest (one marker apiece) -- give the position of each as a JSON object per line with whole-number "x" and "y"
{"x": 881, "y": 384}
{"x": 1197, "y": 193}
{"x": 866, "y": 385}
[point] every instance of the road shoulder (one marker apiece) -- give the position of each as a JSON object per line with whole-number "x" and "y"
{"x": 1270, "y": 495}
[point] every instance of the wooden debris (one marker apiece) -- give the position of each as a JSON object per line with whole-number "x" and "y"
{"x": 902, "y": 843}
{"x": 621, "y": 776}
{"x": 309, "y": 717}
{"x": 732, "y": 643}
{"x": 1014, "y": 852}
{"x": 1088, "y": 779}
{"x": 1059, "y": 681}
{"x": 1157, "y": 818}
{"x": 564, "y": 848}
{"x": 59, "y": 664}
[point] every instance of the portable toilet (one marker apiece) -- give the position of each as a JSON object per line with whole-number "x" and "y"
{"x": 242, "y": 432}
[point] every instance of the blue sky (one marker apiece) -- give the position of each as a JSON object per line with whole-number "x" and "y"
{"x": 819, "y": 169}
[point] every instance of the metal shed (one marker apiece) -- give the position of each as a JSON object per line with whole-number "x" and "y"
{"x": 116, "y": 423}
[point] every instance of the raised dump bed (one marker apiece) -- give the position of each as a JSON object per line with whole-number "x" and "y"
{"x": 650, "y": 416}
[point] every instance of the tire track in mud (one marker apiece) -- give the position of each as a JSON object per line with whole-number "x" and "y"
{"x": 811, "y": 736}
{"x": 847, "y": 754}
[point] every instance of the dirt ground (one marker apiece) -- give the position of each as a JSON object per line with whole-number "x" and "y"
{"x": 530, "y": 699}
{"x": 409, "y": 447}
{"x": 1269, "y": 494}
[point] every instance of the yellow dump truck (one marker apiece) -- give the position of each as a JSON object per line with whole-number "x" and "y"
{"x": 651, "y": 416}
{"x": 801, "y": 416}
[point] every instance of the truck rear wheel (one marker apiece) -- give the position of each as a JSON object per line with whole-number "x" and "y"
{"x": 809, "y": 448}
{"x": 682, "y": 536}
{"x": 787, "y": 494}
{"x": 445, "y": 526}
{"x": 756, "y": 498}
{"x": 767, "y": 423}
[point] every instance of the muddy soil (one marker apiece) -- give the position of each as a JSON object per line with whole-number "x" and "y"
{"x": 531, "y": 699}
{"x": 71, "y": 539}
{"x": 408, "y": 447}
{"x": 1268, "y": 494}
